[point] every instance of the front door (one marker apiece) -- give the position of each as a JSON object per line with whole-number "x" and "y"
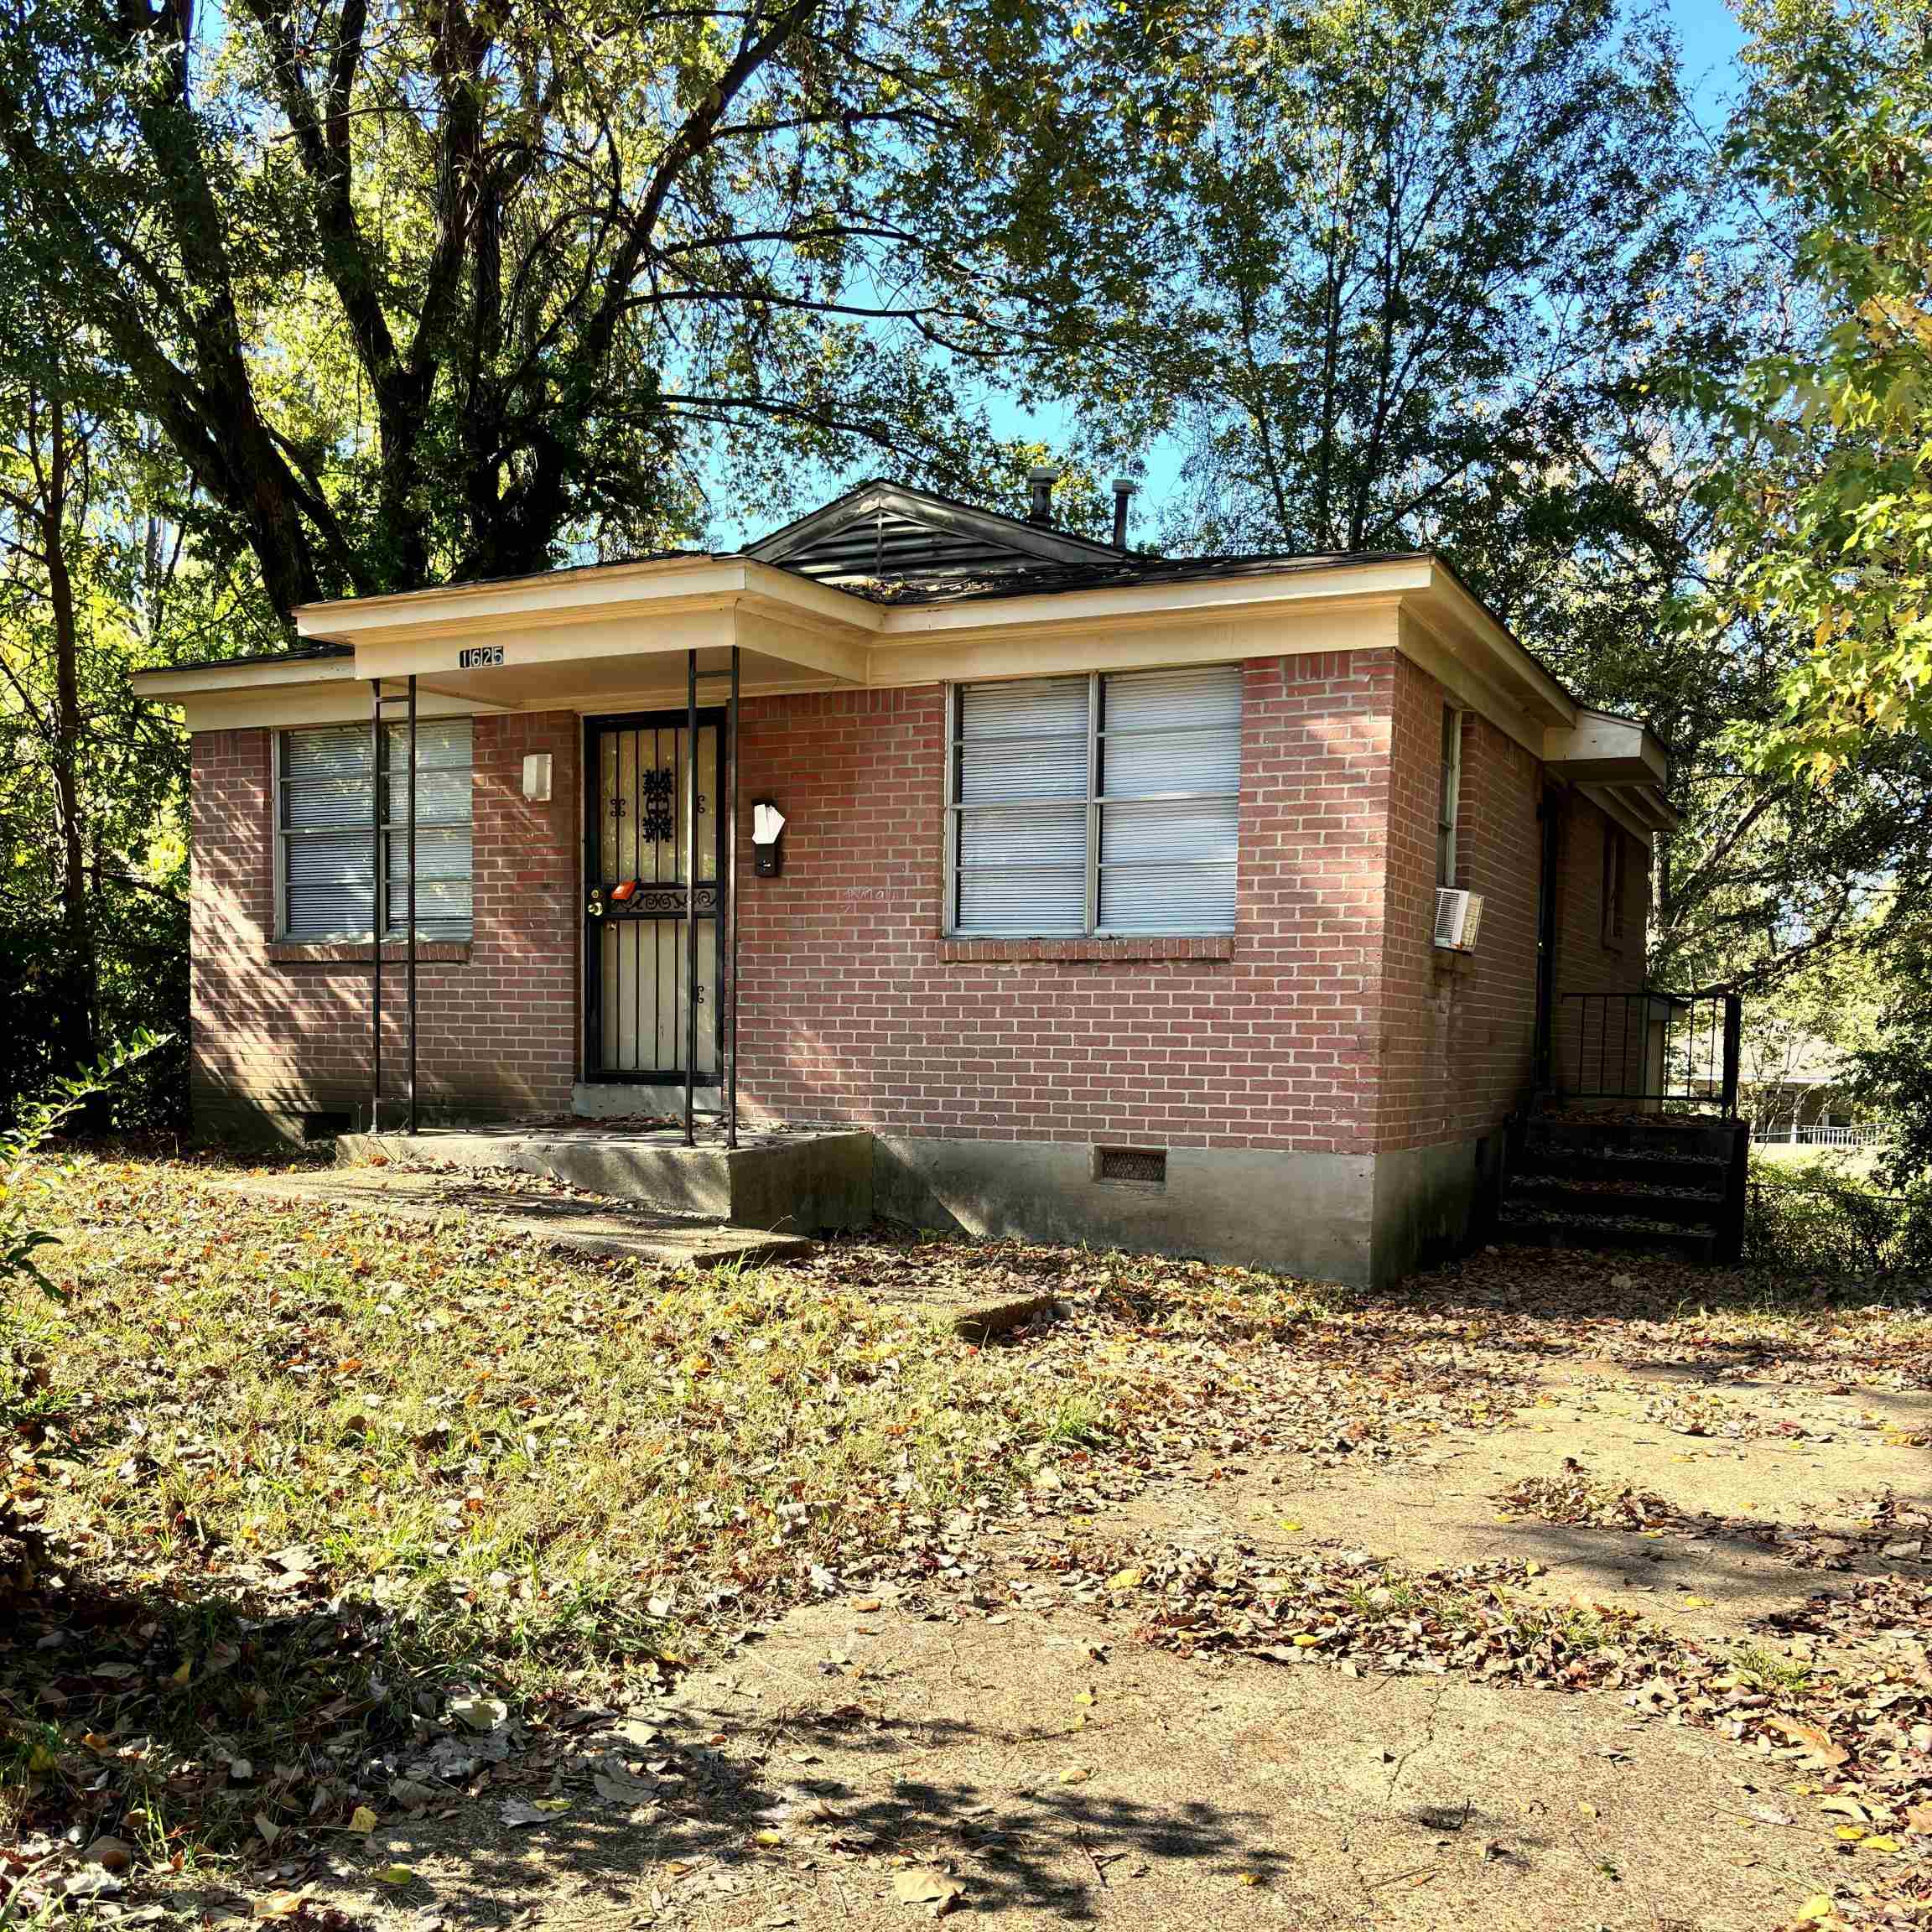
{"x": 637, "y": 985}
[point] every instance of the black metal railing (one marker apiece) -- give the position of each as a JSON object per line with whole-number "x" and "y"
{"x": 1667, "y": 1050}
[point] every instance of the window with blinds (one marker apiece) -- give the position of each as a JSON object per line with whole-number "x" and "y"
{"x": 324, "y": 811}
{"x": 1104, "y": 805}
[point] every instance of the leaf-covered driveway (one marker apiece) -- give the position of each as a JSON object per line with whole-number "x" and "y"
{"x": 404, "y": 1572}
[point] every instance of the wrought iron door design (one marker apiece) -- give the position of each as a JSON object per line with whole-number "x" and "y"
{"x": 639, "y": 771}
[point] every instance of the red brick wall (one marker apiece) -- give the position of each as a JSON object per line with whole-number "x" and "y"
{"x": 286, "y": 1027}
{"x": 1459, "y": 1031}
{"x": 1585, "y": 962}
{"x": 1326, "y": 1023}
{"x": 853, "y": 1010}
{"x": 1460, "y": 1035}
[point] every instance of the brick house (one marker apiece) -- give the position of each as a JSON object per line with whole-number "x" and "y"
{"x": 1106, "y": 899}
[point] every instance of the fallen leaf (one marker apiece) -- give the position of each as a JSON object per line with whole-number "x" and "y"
{"x": 395, "y": 1875}
{"x": 363, "y": 1820}
{"x": 479, "y": 1714}
{"x": 921, "y": 1885}
{"x": 1810, "y": 1737}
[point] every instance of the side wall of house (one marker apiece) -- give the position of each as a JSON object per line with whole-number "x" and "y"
{"x": 281, "y": 1031}
{"x": 991, "y": 1069}
{"x": 1458, "y": 1028}
{"x": 1590, "y": 1040}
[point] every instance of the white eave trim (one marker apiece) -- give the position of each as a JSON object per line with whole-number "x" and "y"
{"x": 167, "y": 685}
{"x": 1253, "y": 613}
{"x": 565, "y": 597}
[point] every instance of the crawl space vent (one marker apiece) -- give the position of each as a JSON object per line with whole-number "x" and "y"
{"x": 1146, "y": 1164}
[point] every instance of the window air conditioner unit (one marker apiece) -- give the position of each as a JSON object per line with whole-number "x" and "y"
{"x": 1458, "y": 916}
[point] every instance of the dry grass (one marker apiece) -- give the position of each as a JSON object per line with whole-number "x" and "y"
{"x": 552, "y": 1459}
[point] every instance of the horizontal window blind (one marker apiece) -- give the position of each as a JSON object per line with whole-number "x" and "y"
{"x": 1170, "y": 787}
{"x": 1102, "y": 804}
{"x": 1025, "y": 760}
{"x": 325, "y": 833}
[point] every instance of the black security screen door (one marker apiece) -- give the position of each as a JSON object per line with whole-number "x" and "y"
{"x": 638, "y": 773}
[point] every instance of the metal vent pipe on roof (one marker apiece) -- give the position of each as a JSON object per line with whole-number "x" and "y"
{"x": 1124, "y": 488}
{"x": 1041, "y": 480}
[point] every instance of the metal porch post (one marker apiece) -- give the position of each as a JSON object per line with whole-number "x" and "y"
{"x": 691, "y": 899}
{"x": 411, "y": 809}
{"x": 376, "y": 907}
{"x": 729, "y": 962}
{"x": 1733, "y": 1053}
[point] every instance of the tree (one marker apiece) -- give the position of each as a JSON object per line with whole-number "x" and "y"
{"x": 1825, "y": 494}
{"x": 95, "y": 580}
{"x": 1802, "y": 727}
{"x": 423, "y": 289}
{"x": 1409, "y": 264}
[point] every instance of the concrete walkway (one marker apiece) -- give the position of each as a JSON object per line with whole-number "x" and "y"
{"x": 573, "y": 1224}
{"x": 976, "y": 1306}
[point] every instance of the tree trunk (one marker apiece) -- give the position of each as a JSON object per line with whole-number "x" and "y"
{"x": 79, "y": 1015}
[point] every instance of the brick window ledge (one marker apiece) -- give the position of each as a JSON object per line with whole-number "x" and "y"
{"x": 1201, "y": 946}
{"x": 1454, "y": 962}
{"x": 354, "y": 952}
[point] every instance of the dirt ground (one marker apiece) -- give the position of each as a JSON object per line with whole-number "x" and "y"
{"x": 1003, "y": 1742}
{"x": 1059, "y": 1774}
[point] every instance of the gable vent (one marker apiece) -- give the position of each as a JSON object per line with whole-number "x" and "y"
{"x": 891, "y": 546}
{"x": 1147, "y": 1166}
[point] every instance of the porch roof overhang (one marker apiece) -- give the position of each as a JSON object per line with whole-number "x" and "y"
{"x": 615, "y": 637}
{"x": 577, "y": 637}
{"x": 1620, "y": 764}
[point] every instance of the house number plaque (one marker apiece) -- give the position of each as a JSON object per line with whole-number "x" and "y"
{"x": 476, "y": 657}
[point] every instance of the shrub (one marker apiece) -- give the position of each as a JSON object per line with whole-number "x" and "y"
{"x": 1819, "y": 1219}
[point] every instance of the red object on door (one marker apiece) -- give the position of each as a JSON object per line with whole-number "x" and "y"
{"x": 628, "y": 890}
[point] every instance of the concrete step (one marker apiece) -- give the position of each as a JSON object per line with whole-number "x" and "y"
{"x": 1538, "y": 1194}
{"x": 1533, "y": 1230}
{"x": 569, "y": 1225}
{"x": 1622, "y": 1133}
{"x": 793, "y": 1183}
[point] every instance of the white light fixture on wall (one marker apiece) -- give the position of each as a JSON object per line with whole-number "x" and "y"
{"x": 767, "y": 840}
{"x": 537, "y": 778}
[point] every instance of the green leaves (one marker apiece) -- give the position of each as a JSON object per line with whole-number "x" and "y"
{"x": 1826, "y": 495}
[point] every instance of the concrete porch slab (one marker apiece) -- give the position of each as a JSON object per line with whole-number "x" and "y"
{"x": 612, "y": 1230}
{"x": 790, "y": 1183}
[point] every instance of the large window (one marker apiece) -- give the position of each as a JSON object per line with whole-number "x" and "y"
{"x": 323, "y": 831}
{"x": 1103, "y": 805}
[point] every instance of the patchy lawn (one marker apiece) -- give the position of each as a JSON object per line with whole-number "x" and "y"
{"x": 399, "y": 1570}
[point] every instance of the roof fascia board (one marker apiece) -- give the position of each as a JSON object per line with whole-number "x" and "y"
{"x": 1601, "y": 745}
{"x": 1464, "y": 624}
{"x": 166, "y": 686}
{"x": 1156, "y": 639}
{"x": 1469, "y": 685}
{"x": 662, "y": 633}
{"x": 336, "y": 704}
{"x": 1614, "y": 802}
{"x": 569, "y": 597}
{"x": 1039, "y": 612}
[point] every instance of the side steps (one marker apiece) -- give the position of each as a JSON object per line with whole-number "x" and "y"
{"x": 1641, "y": 1181}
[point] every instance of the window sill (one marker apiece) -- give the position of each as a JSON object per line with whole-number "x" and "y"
{"x": 359, "y": 952}
{"x": 1159, "y": 946}
{"x": 1453, "y": 962}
